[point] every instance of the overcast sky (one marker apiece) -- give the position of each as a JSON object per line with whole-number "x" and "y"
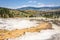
{"x": 30, "y": 3}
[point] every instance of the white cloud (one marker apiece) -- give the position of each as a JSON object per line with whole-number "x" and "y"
{"x": 31, "y": 1}
{"x": 22, "y": 6}
{"x": 38, "y": 5}
{"x": 29, "y": 4}
{"x": 46, "y": 5}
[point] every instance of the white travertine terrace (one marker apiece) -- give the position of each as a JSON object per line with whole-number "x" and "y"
{"x": 12, "y": 24}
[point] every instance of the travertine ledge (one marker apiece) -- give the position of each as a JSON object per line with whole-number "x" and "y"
{"x": 5, "y": 34}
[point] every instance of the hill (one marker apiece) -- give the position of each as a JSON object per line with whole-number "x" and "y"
{"x": 39, "y": 8}
{"x": 12, "y": 13}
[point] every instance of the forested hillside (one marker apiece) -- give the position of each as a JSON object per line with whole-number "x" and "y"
{"x": 11, "y": 13}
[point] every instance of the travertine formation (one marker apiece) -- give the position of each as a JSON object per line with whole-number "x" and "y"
{"x": 5, "y": 34}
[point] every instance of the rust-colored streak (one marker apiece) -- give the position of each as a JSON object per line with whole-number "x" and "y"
{"x": 20, "y": 32}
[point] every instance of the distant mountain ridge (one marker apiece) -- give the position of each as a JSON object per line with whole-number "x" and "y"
{"x": 12, "y": 13}
{"x": 38, "y": 8}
